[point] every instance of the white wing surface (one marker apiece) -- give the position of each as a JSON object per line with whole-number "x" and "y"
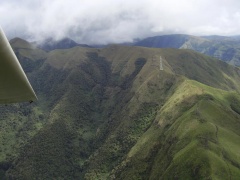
{"x": 14, "y": 85}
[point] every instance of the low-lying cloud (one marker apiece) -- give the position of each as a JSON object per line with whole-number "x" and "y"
{"x": 108, "y": 21}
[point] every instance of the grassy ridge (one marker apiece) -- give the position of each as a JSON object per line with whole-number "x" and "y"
{"x": 196, "y": 144}
{"x": 111, "y": 114}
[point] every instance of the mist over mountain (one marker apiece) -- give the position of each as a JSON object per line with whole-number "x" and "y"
{"x": 111, "y": 113}
{"x": 65, "y": 43}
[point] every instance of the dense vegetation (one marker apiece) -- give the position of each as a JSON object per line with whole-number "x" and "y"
{"x": 112, "y": 114}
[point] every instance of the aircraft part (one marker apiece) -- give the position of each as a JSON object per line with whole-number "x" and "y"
{"x": 14, "y": 85}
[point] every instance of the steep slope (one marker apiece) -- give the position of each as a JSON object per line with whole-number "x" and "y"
{"x": 224, "y": 48}
{"x": 198, "y": 140}
{"x": 112, "y": 114}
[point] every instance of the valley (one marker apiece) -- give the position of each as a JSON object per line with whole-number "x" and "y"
{"x": 110, "y": 113}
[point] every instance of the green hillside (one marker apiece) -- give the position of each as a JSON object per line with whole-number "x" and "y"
{"x": 112, "y": 114}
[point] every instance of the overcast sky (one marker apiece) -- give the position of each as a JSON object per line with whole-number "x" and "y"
{"x": 117, "y": 21}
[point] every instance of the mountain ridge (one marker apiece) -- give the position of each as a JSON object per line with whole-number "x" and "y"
{"x": 221, "y": 47}
{"x": 64, "y": 43}
{"x": 225, "y": 48}
{"x": 110, "y": 113}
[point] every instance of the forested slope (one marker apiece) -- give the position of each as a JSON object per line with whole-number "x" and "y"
{"x": 112, "y": 114}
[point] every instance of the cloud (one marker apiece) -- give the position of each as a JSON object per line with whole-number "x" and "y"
{"x": 107, "y": 21}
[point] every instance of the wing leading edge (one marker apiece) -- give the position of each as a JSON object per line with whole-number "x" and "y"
{"x": 14, "y": 85}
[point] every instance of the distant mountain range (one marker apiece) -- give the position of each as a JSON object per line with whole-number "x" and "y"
{"x": 111, "y": 113}
{"x": 65, "y": 43}
{"x": 221, "y": 47}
